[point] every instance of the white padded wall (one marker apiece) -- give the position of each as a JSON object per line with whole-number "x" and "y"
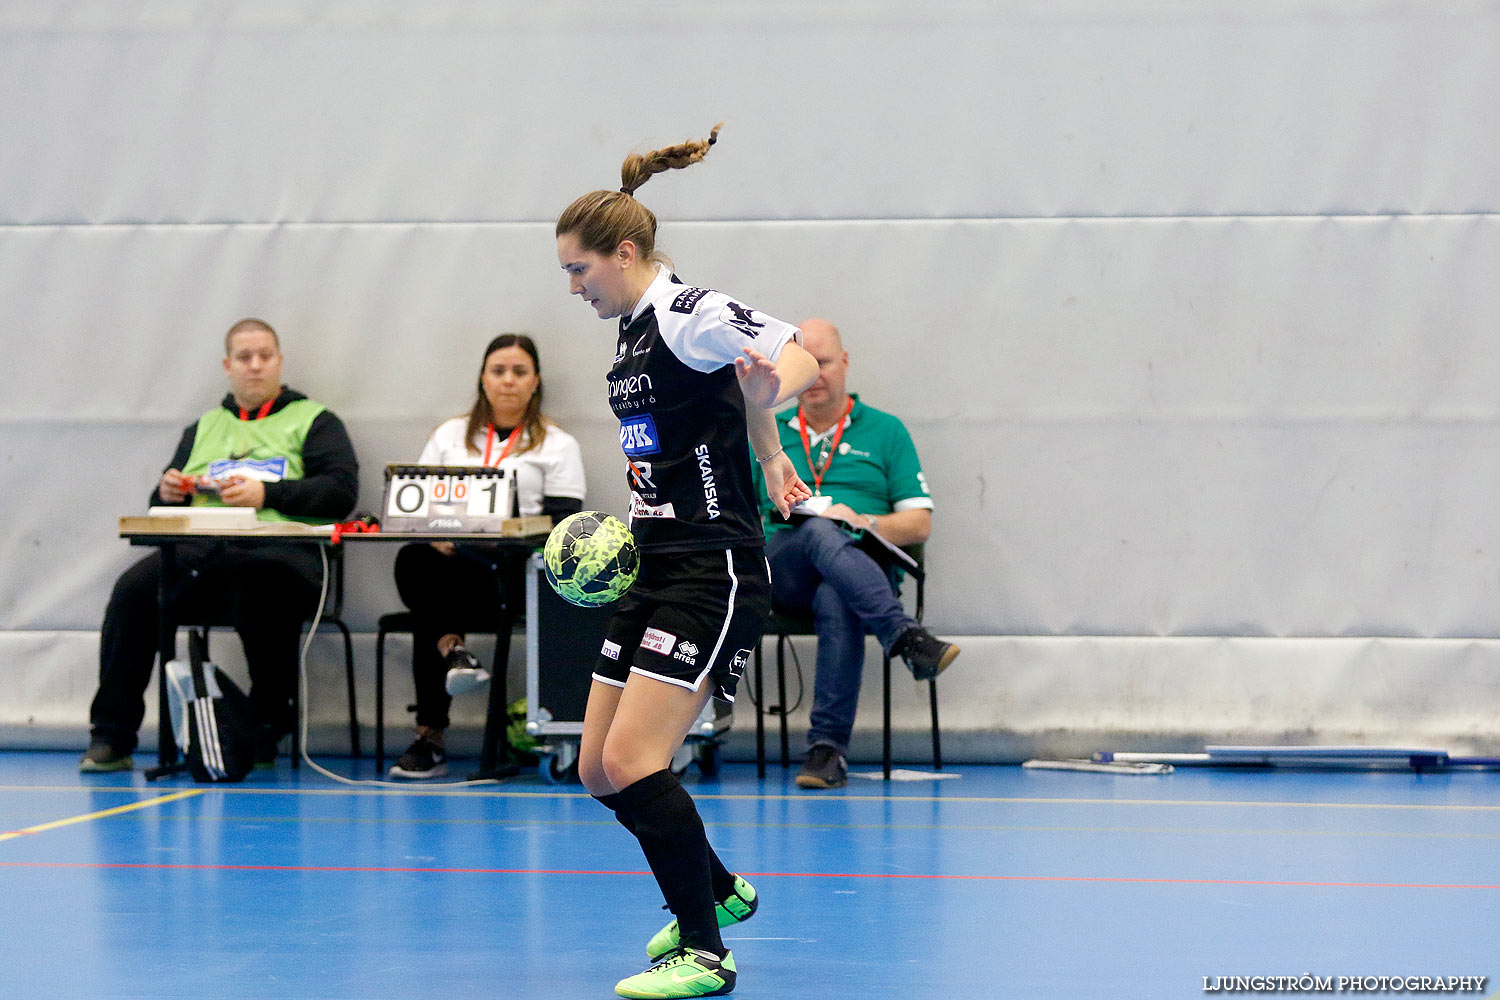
{"x": 454, "y": 110}
{"x": 1190, "y": 310}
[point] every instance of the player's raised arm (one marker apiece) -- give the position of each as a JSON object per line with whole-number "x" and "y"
{"x": 767, "y": 384}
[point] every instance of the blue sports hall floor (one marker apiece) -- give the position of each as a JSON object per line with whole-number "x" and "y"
{"x": 1003, "y": 882}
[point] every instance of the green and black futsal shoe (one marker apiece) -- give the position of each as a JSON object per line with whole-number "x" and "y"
{"x": 683, "y": 972}
{"x": 739, "y": 907}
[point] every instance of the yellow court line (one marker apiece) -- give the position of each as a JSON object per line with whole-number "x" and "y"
{"x": 818, "y": 797}
{"x": 86, "y": 817}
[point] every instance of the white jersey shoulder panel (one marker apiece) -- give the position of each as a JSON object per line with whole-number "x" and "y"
{"x": 707, "y": 329}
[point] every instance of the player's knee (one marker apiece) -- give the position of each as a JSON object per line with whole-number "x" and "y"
{"x": 624, "y": 765}
{"x": 591, "y": 774}
{"x": 616, "y": 768}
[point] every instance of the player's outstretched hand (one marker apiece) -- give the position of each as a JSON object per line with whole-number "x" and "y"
{"x": 759, "y": 380}
{"x": 785, "y": 488}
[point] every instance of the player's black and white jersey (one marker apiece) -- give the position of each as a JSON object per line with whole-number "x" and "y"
{"x": 682, "y": 416}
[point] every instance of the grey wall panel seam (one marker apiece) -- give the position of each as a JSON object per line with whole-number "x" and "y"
{"x": 843, "y": 221}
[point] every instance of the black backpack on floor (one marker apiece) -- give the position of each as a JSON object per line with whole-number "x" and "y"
{"x": 211, "y": 718}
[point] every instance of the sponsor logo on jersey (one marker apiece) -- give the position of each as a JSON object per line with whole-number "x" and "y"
{"x": 741, "y": 318}
{"x": 611, "y": 649}
{"x": 687, "y": 301}
{"x": 620, "y": 351}
{"x": 640, "y": 476}
{"x": 626, "y": 386}
{"x": 640, "y": 346}
{"x": 640, "y": 508}
{"x": 687, "y": 652}
{"x": 658, "y": 641}
{"x": 706, "y": 473}
{"x": 638, "y": 436}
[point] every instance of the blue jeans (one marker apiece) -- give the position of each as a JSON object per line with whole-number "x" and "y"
{"x": 817, "y": 566}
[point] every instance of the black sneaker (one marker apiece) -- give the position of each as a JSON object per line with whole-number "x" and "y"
{"x": 423, "y": 759}
{"x": 925, "y": 654}
{"x": 465, "y": 672}
{"x": 101, "y": 756}
{"x": 824, "y": 767}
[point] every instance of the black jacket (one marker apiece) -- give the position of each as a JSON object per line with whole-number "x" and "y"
{"x": 329, "y": 485}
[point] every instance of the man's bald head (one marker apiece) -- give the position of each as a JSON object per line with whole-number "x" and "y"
{"x": 822, "y": 332}
{"x": 826, "y": 397}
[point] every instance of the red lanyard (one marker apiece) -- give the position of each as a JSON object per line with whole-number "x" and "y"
{"x": 820, "y": 470}
{"x": 489, "y": 443}
{"x": 260, "y": 414}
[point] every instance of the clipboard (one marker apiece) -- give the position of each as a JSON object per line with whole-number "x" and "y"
{"x": 879, "y": 548}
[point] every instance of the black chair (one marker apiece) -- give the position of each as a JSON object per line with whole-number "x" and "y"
{"x": 786, "y": 623}
{"x": 401, "y": 623}
{"x": 494, "y": 758}
{"x": 333, "y": 617}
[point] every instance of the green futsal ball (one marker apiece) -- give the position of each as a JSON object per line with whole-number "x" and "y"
{"x": 591, "y": 558}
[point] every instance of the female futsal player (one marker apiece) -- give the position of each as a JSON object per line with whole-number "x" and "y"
{"x": 695, "y": 373}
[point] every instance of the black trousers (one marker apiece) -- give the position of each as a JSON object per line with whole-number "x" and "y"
{"x": 447, "y": 594}
{"x": 264, "y": 592}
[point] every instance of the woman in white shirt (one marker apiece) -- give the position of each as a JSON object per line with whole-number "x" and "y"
{"x": 448, "y": 587}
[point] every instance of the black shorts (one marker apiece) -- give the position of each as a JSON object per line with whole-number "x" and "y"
{"x": 690, "y": 616}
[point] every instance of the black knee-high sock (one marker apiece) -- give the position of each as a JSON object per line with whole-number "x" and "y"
{"x": 723, "y": 878}
{"x": 671, "y": 835}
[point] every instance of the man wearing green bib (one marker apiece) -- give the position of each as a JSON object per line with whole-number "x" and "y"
{"x": 865, "y": 476}
{"x": 264, "y": 446}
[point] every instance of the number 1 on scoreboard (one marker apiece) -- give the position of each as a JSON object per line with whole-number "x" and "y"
{"x": 489, "y": 496}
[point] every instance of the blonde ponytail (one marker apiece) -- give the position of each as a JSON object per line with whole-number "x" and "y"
{"x": 637, "y": 168}
{"x": 602, "y": 220}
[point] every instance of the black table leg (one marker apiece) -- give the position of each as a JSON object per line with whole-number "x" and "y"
{"x": 495, "y": 760}
{"x": 166, "y": 648}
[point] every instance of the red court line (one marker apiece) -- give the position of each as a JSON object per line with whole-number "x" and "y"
{"x": 1088, "y": 879}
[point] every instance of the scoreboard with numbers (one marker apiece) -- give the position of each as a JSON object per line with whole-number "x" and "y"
{"x": 428, "y": 498}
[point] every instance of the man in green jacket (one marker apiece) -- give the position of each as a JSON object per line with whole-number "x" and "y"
{"x": 267, "y": 447}
{"x": 866, "y": 477}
